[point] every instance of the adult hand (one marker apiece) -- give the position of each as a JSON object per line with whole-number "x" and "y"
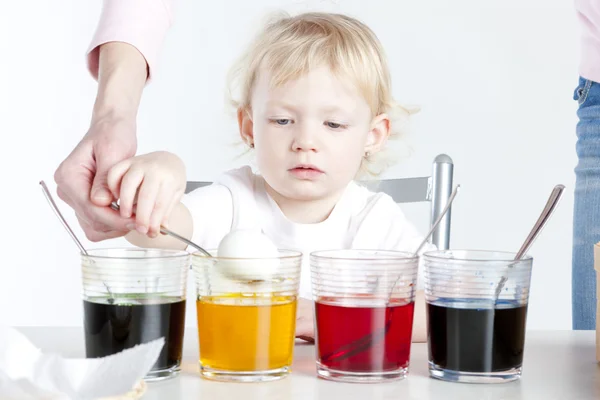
{"x": 82, "y": 177}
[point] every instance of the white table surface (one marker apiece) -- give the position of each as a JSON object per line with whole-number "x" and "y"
{"x": 557, "y": 365}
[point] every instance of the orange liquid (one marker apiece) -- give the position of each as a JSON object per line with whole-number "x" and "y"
{"x": 246, "y": 333}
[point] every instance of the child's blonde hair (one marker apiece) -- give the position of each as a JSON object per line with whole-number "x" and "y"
{"x": 290, "y": 46}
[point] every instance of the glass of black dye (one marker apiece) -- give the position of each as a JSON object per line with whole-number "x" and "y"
{"x": 476, "y": 314}
{"x": 133, "y": 296}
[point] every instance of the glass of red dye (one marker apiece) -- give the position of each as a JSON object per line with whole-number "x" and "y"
{"x": 364, "y": 306}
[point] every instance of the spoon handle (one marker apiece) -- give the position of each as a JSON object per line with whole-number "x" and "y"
{"x": 543, "y": 218}
{"x": 169, "y": 232}
{"x": 61, "y": 218}
{"x": 437, "y": 222}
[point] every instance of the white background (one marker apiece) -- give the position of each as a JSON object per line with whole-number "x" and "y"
{"x": 494, "y": 80}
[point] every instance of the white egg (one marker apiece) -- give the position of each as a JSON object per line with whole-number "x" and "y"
{"x": 248, "y": 255}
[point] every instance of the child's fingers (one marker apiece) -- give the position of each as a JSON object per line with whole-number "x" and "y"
{"x": 114, "y": 177}
{"x": 163, "y": 201}
{"x": 145, "y": 204}
{"x": 129, "y": 188}
{"x": 305, "y": 329}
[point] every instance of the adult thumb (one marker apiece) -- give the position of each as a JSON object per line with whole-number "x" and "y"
{"x": 100, "y": 193}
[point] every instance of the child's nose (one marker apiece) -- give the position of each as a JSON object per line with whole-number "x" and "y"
{"x": 304, "y": 138}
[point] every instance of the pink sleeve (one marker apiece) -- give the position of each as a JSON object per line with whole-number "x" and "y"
{"x": 588, "y": 13}
{"x": 140, "y": 23}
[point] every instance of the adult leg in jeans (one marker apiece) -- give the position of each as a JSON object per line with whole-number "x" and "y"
{"x": 586, "y": 220}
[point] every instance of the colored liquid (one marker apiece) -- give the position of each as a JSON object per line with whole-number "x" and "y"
{"x": 246, "y": 333}
{"x": 111, "y": 328}
{"x": 476, "y": 339}
{"x": 363, "y": 339}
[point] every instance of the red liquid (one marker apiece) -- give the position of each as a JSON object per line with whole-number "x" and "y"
{"x": 364, "y": 339}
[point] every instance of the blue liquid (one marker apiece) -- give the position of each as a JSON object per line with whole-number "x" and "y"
{"x": 471, "y": 336}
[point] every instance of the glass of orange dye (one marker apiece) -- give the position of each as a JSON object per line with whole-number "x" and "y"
{"x": 246, "y": 315}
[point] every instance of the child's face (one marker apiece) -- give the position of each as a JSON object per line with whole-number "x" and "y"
{"x": 311, "y": 134}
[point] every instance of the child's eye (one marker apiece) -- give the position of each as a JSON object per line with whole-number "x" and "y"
{"x": 281, "y": 121}
{"x": 335, "y": 125}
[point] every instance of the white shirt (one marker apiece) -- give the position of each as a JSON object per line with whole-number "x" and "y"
{"x": 361, "y": 219}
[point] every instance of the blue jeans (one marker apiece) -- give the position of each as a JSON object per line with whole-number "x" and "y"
{"x": 586, "y": 215}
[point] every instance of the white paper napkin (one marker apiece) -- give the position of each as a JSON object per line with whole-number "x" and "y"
{"x": 27, "y": 373}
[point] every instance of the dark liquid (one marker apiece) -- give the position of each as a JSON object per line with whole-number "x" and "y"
{"x": 364, "y": 339}
{"x": 110, "y": 329}
{"x": 476, "y": 339}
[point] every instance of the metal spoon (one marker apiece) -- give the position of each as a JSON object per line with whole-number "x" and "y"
{"x": 426, "y": 238}
{"x": 363, "y": 343}
{"x": 534, "y": 233}
{"x": 61, "y": 218}
{"x": 437, "y": 221}
{"x": 69, "y": 230}
{"x": 542, "y": 220}
{"x": 169, "y": 232}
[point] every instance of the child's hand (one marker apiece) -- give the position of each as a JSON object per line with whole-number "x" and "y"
{"x": 305, "y": 329}
{"x": 153, "y": 183}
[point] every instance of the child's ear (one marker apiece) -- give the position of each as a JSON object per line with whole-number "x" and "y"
{"x": 378, "y": 135}
{"x": 246, "y": 126}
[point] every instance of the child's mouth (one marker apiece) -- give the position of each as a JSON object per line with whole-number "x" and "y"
{"x": 307, "y": 172}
